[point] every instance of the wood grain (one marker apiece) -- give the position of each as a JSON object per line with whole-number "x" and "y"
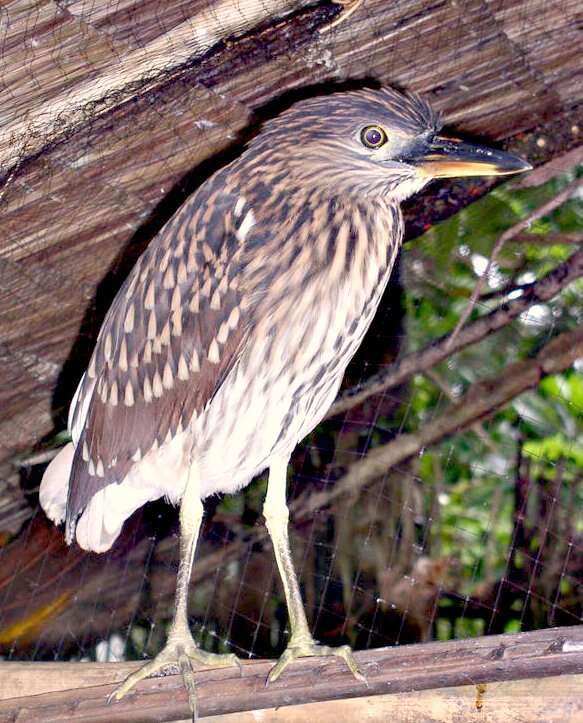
{"x": 550, "y": 699}
{"x": 430, "y": 666}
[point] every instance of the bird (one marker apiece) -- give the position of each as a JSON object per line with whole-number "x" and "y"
{"x": 227, "y": 342}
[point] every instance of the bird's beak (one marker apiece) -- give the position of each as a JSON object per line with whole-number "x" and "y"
{"x": 442, "y": 157}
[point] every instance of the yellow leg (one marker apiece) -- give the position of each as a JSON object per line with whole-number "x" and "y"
{"x": 301, "y": 643}
{"x": 181, "y": 650}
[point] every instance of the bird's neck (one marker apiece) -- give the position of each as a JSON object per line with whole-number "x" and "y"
{"x": 336, "y": 242}
{"x": 353, "y": 235}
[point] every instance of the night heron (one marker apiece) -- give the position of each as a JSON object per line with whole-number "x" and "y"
{"x": 228, "y": 341}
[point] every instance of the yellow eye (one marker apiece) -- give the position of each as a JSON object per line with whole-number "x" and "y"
{"x": 373, "y": 137}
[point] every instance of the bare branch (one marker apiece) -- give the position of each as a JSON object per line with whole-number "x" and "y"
{"x": 477, "y": 428}
{"x": 480, "y": 401}
{"x": 510, "y": 233}
{"x": 549, "y": 239}
{"x": 536, "y": 293}
{"x": 555, "y": 167}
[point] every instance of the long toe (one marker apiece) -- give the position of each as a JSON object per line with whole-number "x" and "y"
{"x": 150, "y": 668}
{"x": 179, "y": 655}
{"x": 309, "y": 649}
{"x": 213, "y": 660}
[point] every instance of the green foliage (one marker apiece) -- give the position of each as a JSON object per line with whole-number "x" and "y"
{"x": 478, "y": 466}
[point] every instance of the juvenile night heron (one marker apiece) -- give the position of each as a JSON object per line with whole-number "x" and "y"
{"x": 228, "y": 341}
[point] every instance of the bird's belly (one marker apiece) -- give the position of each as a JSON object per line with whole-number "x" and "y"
{"x": 270, "y": 424}
{"x": 279, "y": 399}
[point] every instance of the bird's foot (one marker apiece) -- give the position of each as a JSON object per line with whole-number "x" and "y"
{"x": 307, "y": 648}
{"x": 348, "y": 7}
{"x": 181, "y": 654}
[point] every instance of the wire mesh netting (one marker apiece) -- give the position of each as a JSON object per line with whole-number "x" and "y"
{"x": 473, "y": 525}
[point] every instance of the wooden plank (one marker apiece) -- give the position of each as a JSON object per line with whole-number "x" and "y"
{"x": 39, "y": 69}
{"x": 549, "y": 699}
{"x": 430, "y": 666}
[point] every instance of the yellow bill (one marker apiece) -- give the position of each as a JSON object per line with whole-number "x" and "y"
{"x": 443, "y": 157}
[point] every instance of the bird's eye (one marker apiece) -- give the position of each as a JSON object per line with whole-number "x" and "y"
{"x": 373, "y": 137}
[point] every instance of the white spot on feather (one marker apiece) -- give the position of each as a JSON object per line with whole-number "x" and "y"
{"x": 177, "y": 323}
{"x": 181, "y": 275}
{"x": 150, "y": 297}
{"x": 182, "y": 369}
{"x": 246, "y": 225}
{"x": 165, "y": 335}
{"x": 194, "y": 363}
{"x": 129, "y": 395}
{"x": 107, "y": 346}
{"x": 216, "y": 301}
{"x": 214, "y": 352}
{"x": 234, "y": 318}
{"x": 223, "y": 334}
{"x": 128, "y": 325}
{"x": 123, "y": 355}
{"x": 176, "y": 302}
{"x": 152, "y": 326}
{"x": 157, "y": 388}
{"x": 147, "y": 390}
{"x": 148, "y": 352}
{"x": 168, "y": 377}
{"x": 169, "y": 278}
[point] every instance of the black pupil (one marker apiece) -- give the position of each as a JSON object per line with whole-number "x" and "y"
{"x": 373, "y": 137}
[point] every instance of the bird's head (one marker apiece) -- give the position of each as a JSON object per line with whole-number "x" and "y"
{"x": 369, "y": 143}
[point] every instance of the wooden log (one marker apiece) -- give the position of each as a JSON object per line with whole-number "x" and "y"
{"x": 552, "y": 699}
{"x": 77, "y": 691}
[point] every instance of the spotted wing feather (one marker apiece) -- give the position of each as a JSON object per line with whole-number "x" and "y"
{"x": 169, "y": 339}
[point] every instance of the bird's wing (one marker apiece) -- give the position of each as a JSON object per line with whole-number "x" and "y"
{"x": 170, "y": 337}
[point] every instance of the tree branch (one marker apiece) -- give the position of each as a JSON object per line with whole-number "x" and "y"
{"x": 555, "y": 167}
{"x": 509, "y": 234}
{"x": 549, "y": 239}
{"x": 538, "y": 292}
{"x": 480, "y": 401}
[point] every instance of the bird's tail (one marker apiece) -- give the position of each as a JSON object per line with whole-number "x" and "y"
{"x": 55, "y": 483}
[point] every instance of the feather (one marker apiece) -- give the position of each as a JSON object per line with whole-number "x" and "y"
{"x": 165, "y": 394}
{"x": 55, "y": 483}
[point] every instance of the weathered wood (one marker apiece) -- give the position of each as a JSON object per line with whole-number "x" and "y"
{"x": 551, "y": 699}
{"x": 432, "y": 666}
{"x": 127, "y": 59}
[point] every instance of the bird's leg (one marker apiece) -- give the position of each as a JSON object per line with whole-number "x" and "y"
{"x": 180, "y": 649}
{"x": 301, "y": 643}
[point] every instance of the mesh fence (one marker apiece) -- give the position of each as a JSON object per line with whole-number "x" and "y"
{"x": 477, "y": 527}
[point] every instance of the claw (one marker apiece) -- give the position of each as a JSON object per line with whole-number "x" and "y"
{"x": 181, "y": 655}
{"x": 309, "y": 649}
